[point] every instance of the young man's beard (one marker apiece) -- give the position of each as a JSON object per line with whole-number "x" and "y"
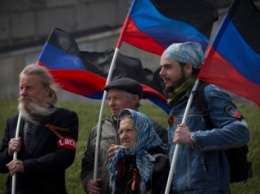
{"x": 33, "y": 111}
{"x": 171, "y": 89}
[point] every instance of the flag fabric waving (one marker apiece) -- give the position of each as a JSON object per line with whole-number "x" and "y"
{"x": 153, "y": 25}
{"x": 126, "y": 66}
{"x": 233, "y": 60}
{"x": 62, "y": 57}
{"x": 84, "y": 73}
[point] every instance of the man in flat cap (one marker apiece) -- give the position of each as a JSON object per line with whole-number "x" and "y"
{"x": 202, "y": 166}
{"x": 122, "y": 93}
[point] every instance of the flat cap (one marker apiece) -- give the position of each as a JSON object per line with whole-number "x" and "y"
{"x": 126, "y": 84}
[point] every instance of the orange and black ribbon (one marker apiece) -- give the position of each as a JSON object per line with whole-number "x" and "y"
{"x": 55, "y": 130}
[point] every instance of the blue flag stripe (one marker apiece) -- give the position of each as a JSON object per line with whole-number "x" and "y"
{"x": 148, "y": 19}
{"x": 55, "y": 58}
{"x": 238, "y": 53}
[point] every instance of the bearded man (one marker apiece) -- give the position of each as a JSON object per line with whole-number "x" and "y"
{"x": 46, "y": 145}
{"x": 202, "y": 165}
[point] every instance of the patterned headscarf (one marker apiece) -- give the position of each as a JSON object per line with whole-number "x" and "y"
{"x": 146, "y": 139}
{"x": 187, "y": 52}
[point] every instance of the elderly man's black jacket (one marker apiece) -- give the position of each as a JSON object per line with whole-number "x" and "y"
{"x": 51, "y": 151}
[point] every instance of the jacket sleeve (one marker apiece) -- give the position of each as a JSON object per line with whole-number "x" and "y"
{"x": 230, "y": 128}
{"x": 9, "y": 132}
{"x": 160, "y": 174}
{"x": 55, "y": 155}
{"x": 108, "y": 136}
{"x": 87, "y": 163}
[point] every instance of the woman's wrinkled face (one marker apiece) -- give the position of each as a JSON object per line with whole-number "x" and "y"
{"x": 127, "y": 133}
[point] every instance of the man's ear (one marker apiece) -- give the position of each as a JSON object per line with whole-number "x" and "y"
{"x": 188, "y": 69}
{"x": 136, "y": 99}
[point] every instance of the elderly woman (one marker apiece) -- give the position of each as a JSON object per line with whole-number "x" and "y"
{"x": 141, "y": 165}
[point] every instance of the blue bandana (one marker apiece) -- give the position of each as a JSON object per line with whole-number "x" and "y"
{"x": 146, "y": 139}
{"x": 187, "y": 52}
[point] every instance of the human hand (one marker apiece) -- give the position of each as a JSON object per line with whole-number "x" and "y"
{"x": 15, "y": 166}
{"x": 93, "y": 187}
{"x": 14, "y": 145}
{"x": 182, "y": 135}
{"x": 112, "y": 151}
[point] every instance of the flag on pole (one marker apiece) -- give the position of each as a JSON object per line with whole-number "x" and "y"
{"x": 153, "y": 25}
{"x": 84, "y": 73}
{"x": 233, "y": 60}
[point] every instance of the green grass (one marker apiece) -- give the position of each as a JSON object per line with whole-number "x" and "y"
{"x": 88, "y": 117}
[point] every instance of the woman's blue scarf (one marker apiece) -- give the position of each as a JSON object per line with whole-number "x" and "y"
{"x": 146, "y": 139}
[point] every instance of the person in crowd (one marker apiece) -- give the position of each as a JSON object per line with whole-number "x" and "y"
{"x": 122, "y": 93}
{"x": 46, "y": 145}
{"x": 201, "y": 164}
{"x": 141, "y": 164}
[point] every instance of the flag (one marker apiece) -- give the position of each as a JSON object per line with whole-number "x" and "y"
{"x": 126, "y": 66}
{"x": 84, "y": 73}
{"x": 62, "y": 57}
{"x": 233, "y": 60}
{"x": 153, "y": 25}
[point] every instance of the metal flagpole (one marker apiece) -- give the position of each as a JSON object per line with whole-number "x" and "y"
{"x": 15, "y": 153}
{"x": 118, "y": 45}
{"x": 176, "y": 150}
{"x": 101, "y": 113}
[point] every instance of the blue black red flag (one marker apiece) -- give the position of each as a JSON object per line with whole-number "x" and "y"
{"x": 153, "y": 25}
{"x": 84, "y": 73}
{"x": 233, "y": 60}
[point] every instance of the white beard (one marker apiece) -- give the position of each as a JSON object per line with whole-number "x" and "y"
{"x": 32, "y": 111}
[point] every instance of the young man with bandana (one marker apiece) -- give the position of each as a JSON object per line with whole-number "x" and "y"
{"x": 202, "y": 166}
{"x": 46, "y": 145}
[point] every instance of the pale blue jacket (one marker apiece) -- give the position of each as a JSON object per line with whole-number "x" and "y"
{"x": 203, "y": 167}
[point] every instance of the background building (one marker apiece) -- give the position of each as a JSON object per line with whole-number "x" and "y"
{"x": 95, "y": 24}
